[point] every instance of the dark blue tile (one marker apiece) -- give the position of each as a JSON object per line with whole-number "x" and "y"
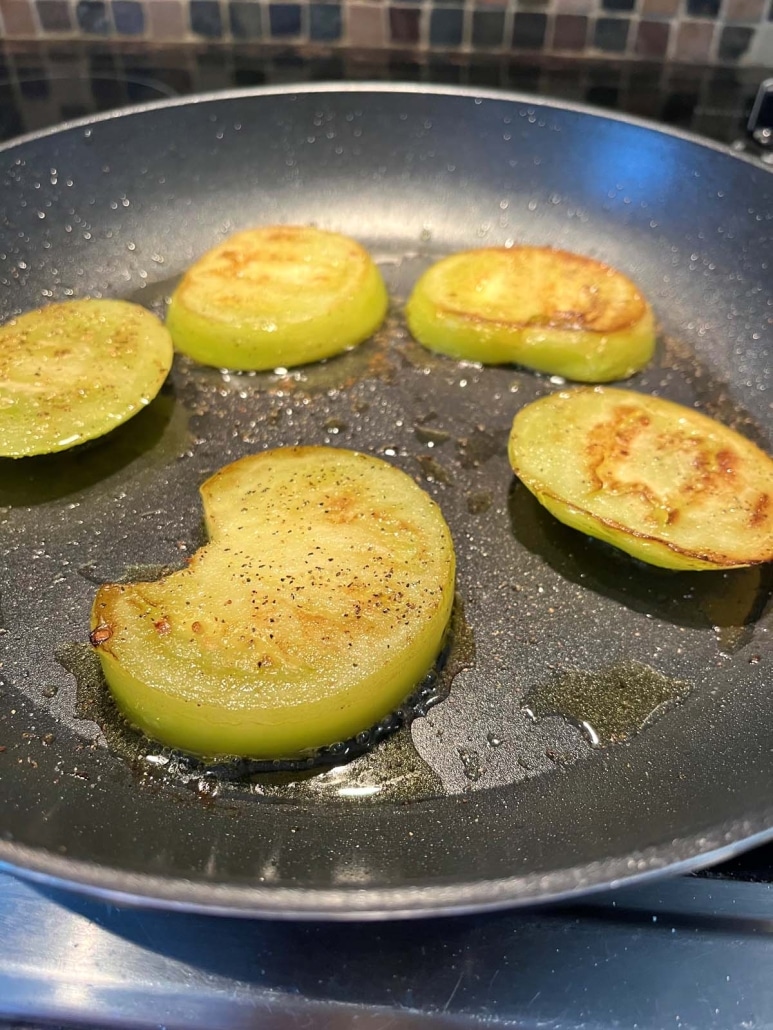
{"x": 446, "y": 26}
{"x": 488, "y": 28}
{"x": 129, "y": 17}
{"x": 54, "y": 15}
{"x": 324, "y": 21}
{"x": 529, "y": 30}
{"x": 703, "y": 8}
{"x": 618, "y": 5}
{"x": 285, "y": 19}
{"x": 246, "y": 20}
{"x": 611, "y": 34}
{"x": 92, "y": 17}
{"x": 735, "y": 41}
{"x": 205, "y": 18}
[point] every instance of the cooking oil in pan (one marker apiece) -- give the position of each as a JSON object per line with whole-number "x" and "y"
{"x": 381, "y": 764}
{"x": 609, "y": 706}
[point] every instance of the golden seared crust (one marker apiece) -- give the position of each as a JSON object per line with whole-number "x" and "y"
{"x": 661, "y": 481}
{"x": 277, "y": 295}
{"x": 546, "y": 309}
{"x": 537, "y": 286}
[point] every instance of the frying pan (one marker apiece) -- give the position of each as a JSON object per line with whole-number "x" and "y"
{"x": 475, "y": 805}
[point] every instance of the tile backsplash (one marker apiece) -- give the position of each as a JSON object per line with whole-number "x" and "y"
{"x": 709, "y": 32}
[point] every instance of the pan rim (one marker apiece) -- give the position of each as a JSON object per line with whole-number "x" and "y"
{"x": 176, "y": 893}
{"x": 406, "y": 88}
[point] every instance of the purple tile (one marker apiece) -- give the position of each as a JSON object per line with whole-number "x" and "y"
{"x": 55, "y": 15}
{"x": 652, "y": 38}
{"x": 403, "y": 25}
{"x": 570, "y": 32}
{"x": 693, "y": 41}
{"x": 365, "y": 25}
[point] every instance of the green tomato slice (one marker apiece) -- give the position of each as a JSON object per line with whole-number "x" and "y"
{"x": 318, "y": 605}
{"x": 71, "y": 372}
{"x": 549, "y": 310}
{"x": 662, "y": 482}
{"x": 277, "y": 296}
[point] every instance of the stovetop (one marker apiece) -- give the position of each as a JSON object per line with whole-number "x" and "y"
{"x": 690, "y": 951}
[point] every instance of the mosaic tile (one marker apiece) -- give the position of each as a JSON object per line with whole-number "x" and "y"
{"x": 570, "y": 32}
{"x": 205, "y": 18}
{"x": 651, "y": 38}
{"x": 703, "y": 8}
{"x": 618, "y": 5}
{"x": 55, "y": 16}
{"x": 446, "y": 26}
{"x": 659, "y": 8}
{"x": 403, "y": 25}
{"x": 611, "y": 34}
{"x": 166, "y": 20}
{"x": 325, "y": 22}
{"x": 574, "y": 6}
{"x": 128, "y": 17}
{"x": 365, "y": 25}
{"x": 529, "y": 30}
{"x": 488, "y": 28}
{"x": 245, "y": 19}
{"x": 693, "y": 41}
{"x": 18, "y": 19}
{"x": 743, "y": 10}
{"x": 724, "y": 33}
{"x": 93, "y": 17}
{"x": 734, "y": 41}
{"x": 284, "y": 19}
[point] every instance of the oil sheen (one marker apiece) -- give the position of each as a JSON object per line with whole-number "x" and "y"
{"x": 609, "y": 706}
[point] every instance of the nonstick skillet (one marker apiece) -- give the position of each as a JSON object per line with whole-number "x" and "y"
{"x": 475, "y": 805}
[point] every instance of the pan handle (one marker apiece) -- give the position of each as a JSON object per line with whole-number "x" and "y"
{"x": 760, "y": 124}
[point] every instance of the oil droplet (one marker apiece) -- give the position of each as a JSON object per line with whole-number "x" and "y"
{"x": 494, "y": 740}
{"x": 470, "y": 764}
{"x": 478, "y": 501}
{"x": 432, "y": 437}
{"x": 336, "y": 426}
{"x": 481, "y": 445}
{"x": 433, "y": 471}
{"x": 611, "y": 705}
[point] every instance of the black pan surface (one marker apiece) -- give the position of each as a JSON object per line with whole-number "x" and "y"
{"x": 476, "y": 805}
